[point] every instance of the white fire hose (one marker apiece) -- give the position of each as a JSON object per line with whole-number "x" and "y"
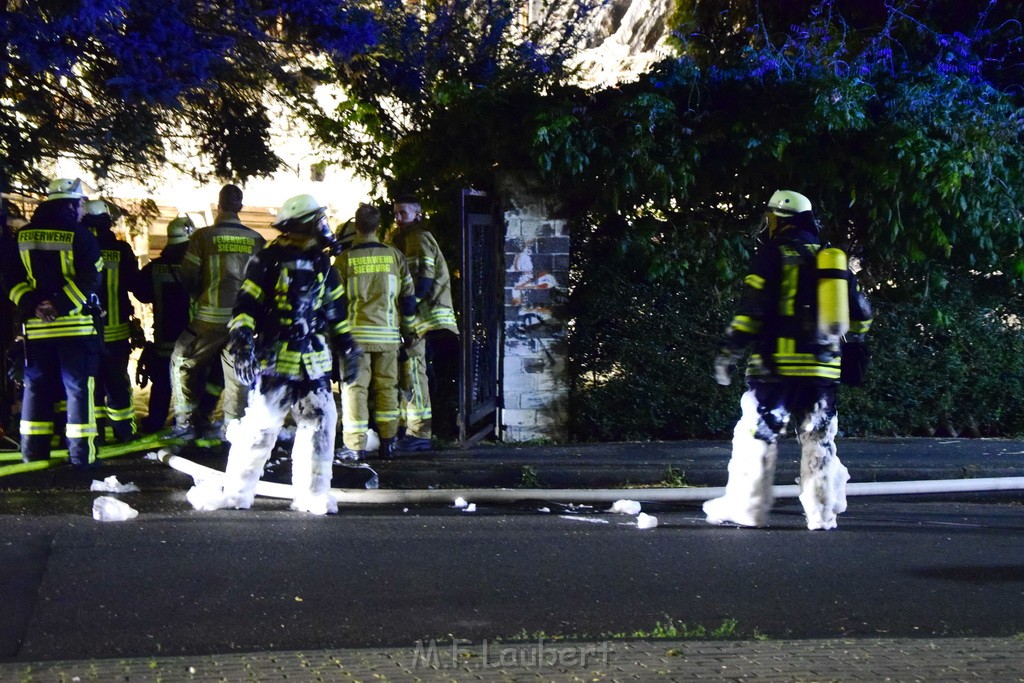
{"x": 651, "y": 495}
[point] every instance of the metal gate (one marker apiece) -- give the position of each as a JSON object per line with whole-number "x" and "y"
{"x": 481, "y": 319}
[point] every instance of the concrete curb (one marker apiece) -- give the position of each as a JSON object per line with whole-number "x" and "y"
{"x": 608, "y": 465}
{"x": 931, "y": 659}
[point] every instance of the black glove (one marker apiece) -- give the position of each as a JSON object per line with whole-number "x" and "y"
{"x": 242, "y": 348}
{"x": 143, "y": 369}
{"x": 349, "y": 353}
{"x": 94, "y": 308}
{"x": 16, "y": 361}
{"x": 725, "y": 364}
{"x": 408, "y": 340}
{"x": 136, "y": 335}
{"x": 411, "y": 346}
{"x": 855, "y": 363}
{"x": 351, "y": 361}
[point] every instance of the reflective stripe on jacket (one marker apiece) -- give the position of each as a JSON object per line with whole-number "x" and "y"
{"x": 120, "y": 276}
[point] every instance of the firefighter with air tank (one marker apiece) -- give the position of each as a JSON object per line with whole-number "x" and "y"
{"x": 801, "y": 309}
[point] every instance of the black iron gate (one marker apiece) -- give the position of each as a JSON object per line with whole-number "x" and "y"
{"x": 481, "y": 319}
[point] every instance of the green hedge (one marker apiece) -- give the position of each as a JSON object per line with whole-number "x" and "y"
{"x": 950, "y": 360}
{"x": 949, "y": 363}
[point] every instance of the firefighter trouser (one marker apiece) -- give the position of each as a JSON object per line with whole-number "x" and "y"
{"x": 113, "y": 397}
{"x": 51, "y": 365}
{"x": 768, "y": 407}
{"x": 438, "y": 351}
{"x": 378, "y": 373}
{"x": 160, "y": 393}
{"x": 196, "y": 350}
{"x": 253, "y": 437}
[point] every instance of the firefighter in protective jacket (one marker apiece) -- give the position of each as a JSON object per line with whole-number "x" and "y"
{"x": 435, "y": 350}
{"x": 160, "y": 285}
{"x": 290, "y": 304}
{"x": 54, "y": 285}
{"x": 120, "y": 276}
{"x": 381, "y": 306}
{"x": 211, "y": 271}
{"x": 795, "y": 323}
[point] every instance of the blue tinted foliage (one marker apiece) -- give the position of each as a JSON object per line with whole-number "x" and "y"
{"x": 134, "y": 75}
{"x": 533, "y": 58}
{"x": 45, "y": 37}
{"x": 130, "y": 73}
{"x": 825, "y": 44}
{"x": 337, "y": 29}
{"x": 161, "y": 54}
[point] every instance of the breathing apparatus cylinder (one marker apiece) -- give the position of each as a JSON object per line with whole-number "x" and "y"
{"x": 833, "y": 296}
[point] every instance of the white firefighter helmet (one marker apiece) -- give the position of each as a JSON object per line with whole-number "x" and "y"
{"x": 298, "y": 210}
{"x": 96, "y": 207}
{"x": 179, "y": 230}
{"x": 102, "y": 207}
{"x": 65, "y": 188}
{"x": 788, "y": 203}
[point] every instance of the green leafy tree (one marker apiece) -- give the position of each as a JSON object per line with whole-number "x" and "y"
{"x": 437, "y": 102}
{"x": 919, "y": 164}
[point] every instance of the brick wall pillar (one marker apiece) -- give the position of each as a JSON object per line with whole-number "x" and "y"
{"x": 536, "y": 281}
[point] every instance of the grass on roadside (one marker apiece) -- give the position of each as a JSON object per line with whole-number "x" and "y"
{"x": 670, "y": 629}
{"x": 528, "y": 478}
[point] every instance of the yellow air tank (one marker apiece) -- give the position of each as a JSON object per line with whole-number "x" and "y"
{"x": 833, "y": 294}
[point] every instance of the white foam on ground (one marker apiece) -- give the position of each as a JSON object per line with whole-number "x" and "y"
{"x": 626, "y": 507}
{"x": 645, "y": 521}
{"x": 109, "y": 509}
{"x": 112, "y": 485}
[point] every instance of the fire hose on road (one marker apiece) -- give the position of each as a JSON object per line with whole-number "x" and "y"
{"x": 654, "y": 495}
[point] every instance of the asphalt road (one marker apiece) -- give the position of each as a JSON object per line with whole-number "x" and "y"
{"x": 174, "y": 581}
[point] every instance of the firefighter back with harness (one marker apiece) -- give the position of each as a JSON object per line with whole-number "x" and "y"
{"x": 799, "y": 303}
